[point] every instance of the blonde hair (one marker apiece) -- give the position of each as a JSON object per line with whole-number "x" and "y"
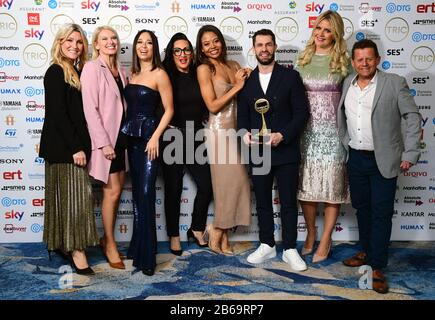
{"x": 95, "y": 51}
{"x": 339, "y": 56}
{"x": 58, "y": 57}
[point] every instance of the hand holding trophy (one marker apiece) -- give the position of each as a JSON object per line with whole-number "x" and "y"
{"x": 262, "y": 106}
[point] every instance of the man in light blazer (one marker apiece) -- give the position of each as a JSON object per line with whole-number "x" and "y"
{"x": 375, "y": 106}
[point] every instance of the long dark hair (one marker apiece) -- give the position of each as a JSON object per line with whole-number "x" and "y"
{"x": 168, "y": 61}
{"x": 157, "y": 63}
{"x": 200, "y": 56}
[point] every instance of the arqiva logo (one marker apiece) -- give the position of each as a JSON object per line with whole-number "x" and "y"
{"x": 259, "y": 6}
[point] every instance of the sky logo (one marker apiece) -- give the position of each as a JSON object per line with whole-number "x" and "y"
{"x": 6, "y": 4}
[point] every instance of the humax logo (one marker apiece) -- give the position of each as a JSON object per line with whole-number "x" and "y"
{"x": 392, "y": 7}
{"x": 386, "y": 65}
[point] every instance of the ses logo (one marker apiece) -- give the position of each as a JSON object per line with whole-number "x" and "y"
{"x": 393, "y": 7}
{"x": 394, "y": 52}
{"x": 367, "y": 23}
{"x": 90, "y": 5}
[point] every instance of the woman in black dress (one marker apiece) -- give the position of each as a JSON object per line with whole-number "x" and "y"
{"x": 189, "y": 112}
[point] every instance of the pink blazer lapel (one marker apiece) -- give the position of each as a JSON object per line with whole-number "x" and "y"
{"x": 110, "y": 79}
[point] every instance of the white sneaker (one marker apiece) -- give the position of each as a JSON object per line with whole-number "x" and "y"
{"x": 263, "y": 253}
{"x": 292, "y": 257}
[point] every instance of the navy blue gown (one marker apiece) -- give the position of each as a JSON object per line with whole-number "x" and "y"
{"x": 139, "y": 126}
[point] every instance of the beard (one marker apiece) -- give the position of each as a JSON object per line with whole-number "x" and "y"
{"x": 266, "y": 62}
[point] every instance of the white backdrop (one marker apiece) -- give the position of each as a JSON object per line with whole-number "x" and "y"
{"x": 403, "y": 30}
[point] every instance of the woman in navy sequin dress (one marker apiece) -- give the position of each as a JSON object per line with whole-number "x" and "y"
{"x": 148, "y": 86}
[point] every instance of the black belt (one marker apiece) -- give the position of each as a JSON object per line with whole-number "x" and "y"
{"x": 365, "y": 152}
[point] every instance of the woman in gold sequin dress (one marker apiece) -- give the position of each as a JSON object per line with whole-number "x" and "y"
{"x": 219, "y": 81}
{"x": 323, "y": 65}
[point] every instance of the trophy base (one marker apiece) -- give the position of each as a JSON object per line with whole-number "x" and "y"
{"x": 260, "y": 139}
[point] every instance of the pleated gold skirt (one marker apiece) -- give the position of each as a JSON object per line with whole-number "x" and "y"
{"x": 69, "y": 220}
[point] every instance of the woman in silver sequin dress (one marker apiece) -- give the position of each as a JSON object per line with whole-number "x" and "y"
{"x": 323, "y": 65}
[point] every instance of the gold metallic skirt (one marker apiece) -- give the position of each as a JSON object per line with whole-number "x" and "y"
{"x": 69, "y": 220}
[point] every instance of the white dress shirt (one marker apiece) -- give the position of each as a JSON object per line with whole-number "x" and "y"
{"x": 358, "y": 108}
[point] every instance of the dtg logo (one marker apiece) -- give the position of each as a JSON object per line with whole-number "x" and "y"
{"x": 6, "y": 3}
{"x": 90, "y": 5}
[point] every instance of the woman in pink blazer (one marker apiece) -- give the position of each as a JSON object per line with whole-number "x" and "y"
{"x": 102, "y": 89}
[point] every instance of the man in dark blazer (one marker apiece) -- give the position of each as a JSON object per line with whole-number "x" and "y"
{"x": 286, "y": 118}
{"x": 379, "y": 124}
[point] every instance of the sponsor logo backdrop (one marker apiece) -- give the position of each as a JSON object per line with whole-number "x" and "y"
{"x": 403, "y": 30}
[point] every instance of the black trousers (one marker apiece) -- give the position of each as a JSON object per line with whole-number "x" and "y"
{"x": 287, "y": 180}
{"x": 173, "y": 179}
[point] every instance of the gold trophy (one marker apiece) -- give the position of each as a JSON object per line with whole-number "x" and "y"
{"x": 262, "y": 106}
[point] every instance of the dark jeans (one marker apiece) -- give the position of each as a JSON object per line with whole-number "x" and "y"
{"x": 287, "y": 180}
{"x": 373, "y": 197}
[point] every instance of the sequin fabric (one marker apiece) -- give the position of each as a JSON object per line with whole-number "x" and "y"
{"x": 322, "y": 175}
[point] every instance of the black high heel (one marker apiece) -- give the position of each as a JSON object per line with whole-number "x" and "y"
{"x": 148, "y": 272}
{"x": 86, "y": 271}
{"x": 191, "y": 235}
{"x": 175, "y": 252}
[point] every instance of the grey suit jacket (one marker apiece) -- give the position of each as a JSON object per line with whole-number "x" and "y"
{"x": 396, "y": 123}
